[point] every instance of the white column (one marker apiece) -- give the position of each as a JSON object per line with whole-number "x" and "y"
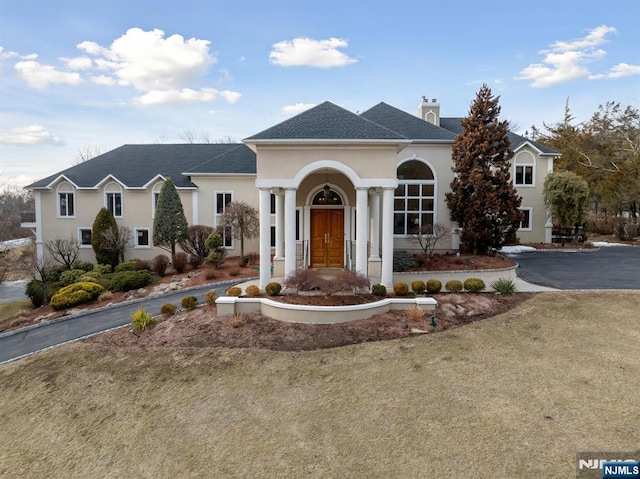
{"x": 387, "y": 237}
{"x": 290, "y": 232}
{"x": 279, "y": 224}
{"x": 375, "y": 224}
{"x": 362, "y": 220}
{"x": 265, "y": 236}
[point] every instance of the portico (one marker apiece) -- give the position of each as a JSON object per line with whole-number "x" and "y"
{"x": 327, "y": 216}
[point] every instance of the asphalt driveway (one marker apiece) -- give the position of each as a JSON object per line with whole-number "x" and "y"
{"x": 611, "y": 267}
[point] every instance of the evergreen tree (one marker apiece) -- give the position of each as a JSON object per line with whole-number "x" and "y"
{"x": 170, "y": 226}
{"x": 104, "y": 226}
{"x": 567, "y": 196}
{"x": 483, "y": 199}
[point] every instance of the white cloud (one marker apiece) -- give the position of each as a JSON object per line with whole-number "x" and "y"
{"x": 103, "y": 80}
{"x": 291, "y": 110}
{"x": 4, "y": 55}
{"x": 565, "y": 60}
{"x": 309, "y": 52}
{"x": 29, "y": 136}
{"x": 624, "y": 70}
{"x": 185, "y": 95}
{"x": 149, "y": 62}
{"x": 78, "y": 63}
{"x": 40, "y": 76}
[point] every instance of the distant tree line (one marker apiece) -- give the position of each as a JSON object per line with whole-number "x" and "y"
{"x": 12, "y": 204}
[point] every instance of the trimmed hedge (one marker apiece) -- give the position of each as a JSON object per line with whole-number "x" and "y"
{"x": 418, "y": 286}
{"x": 434, "y": 286}
{"x": 401, "y": 289}
{"x": 273, "y": 288}
{"x": 453, "y": 286}
{"x": 379, "y": 290}
{"x": 474, "y": 285}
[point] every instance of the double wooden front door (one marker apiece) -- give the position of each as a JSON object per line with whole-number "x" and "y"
{"x": 327, "y": 238}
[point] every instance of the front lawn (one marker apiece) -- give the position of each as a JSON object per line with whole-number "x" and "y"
{"x": 513, "y": 396}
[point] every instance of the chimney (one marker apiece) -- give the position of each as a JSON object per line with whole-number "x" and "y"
{"x": 429, "y": 111}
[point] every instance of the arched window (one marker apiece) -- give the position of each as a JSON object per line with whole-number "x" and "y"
{"x": 325, "y": 198}
{"x": 414, "y": 199}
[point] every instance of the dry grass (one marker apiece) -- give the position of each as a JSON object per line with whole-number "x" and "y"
{"x": 514, "y": 396}
{"x": 9, "y": 310}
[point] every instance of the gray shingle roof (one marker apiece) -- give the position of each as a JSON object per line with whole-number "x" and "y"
{"x": 454, "y": 125}
{"x": 406, "y": 124}
{"x": 136, "y": 165}
{"x": 239, "y": 160}
{"x": 327, "y": 121}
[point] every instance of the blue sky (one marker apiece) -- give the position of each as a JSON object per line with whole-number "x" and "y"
{"x": 80, "y": 76}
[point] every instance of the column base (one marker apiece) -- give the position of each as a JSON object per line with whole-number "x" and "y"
{"x": 374, "y": 267}
{"x": 278, "y": 267}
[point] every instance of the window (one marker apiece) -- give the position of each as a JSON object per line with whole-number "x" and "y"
{"x": 155, "y": 194}
{"x": 141, "y": 237}
{"x": 524, "y": 175}
{"x": 414, "y": 199}
{"x": 524, "y": 169}
{"x": 84, "y": 237}
{"x": 298, "y": 232}
{"x": 525, "y": 224}
{"x": 114, "y": 204}
{"x": 66, "y": 205}
{"x": 222, "y": 199}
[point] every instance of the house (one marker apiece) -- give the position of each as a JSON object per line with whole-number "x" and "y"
{"x": 334, "y": 188}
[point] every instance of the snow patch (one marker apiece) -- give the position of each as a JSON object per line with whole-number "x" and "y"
{"x": 15, "y": 243}
{"x": 516, "y": 249}
{"x": 604, "y": 244}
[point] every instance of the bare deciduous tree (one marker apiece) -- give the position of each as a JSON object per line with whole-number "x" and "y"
{"x": 242, "y": 220}
{"x": 428, "y": 238}
{"x": 117, "y": 240}
{"x": 86, "y": 153}
{"x": 64, "y": 251}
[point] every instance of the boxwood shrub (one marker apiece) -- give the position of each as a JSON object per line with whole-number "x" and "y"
{"x": 474, "y": 285}
{"x": 453, "y": 286}
{"x": 434, "y": 286}
{"x": 418, "y": 286}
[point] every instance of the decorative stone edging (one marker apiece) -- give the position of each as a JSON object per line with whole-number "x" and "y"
{"x": 296, "y": 313}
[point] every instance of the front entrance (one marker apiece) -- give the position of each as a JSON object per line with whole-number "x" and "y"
{"x": 327, "y": 238}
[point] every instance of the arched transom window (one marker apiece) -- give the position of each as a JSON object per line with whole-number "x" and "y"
{"x": 326, "y": 197}
{"x": 414, "y": 199}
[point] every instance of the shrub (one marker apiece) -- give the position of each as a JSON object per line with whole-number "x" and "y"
{"x": 312, "y": 280}
{"x": 401, "y": 289}
{"x": 128, "y": 280}
{"x": 252, "y": 257}
{"x": 195, "y": 261}
{"x": 434, "y": 286}
{"x": 403, "y": 261}
{"x": 53, "y": 274}
{"x": 141, "y": 320}
{"x": 105, "y": 296}
{"x": 504, "y": 286}
{"x": 180, "y": 262}
{"x": 36, "y": 294}
{"x": 234, "y": 272}
{"x": 141, "y": 264}
{"x": 195, "y": 243}
{"x": 83, "y": 265}
{"x": 217, "y": 258}
{"x": 473, "y": 285}
{"x": 273, "y": 288}
{"x": 210, "y": 297}
{"x": 75, "y": 294}
{"x": 90, "y": 276}
{"x": 189, "y": 302}
{"x": 102, "y": 269}
{"x": 234, "y": 291}
{"x": 415, "y": 313}
{"x": 306, "y": 280}
{"x": 252, "y": 291}
{"x": 71, "y": 276}
{"x": 217, "y": 252}
{"x": 168, "y": 309}
{"x": 159, "y": 264}
{"x": 379, "y": 290}
{"x": 210, "y": 273}
{"x": 127, "y": 266}
{"x": 418, "y": 286}
{"x": 453, "y": 286}
{"x": 238, "y": 320}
